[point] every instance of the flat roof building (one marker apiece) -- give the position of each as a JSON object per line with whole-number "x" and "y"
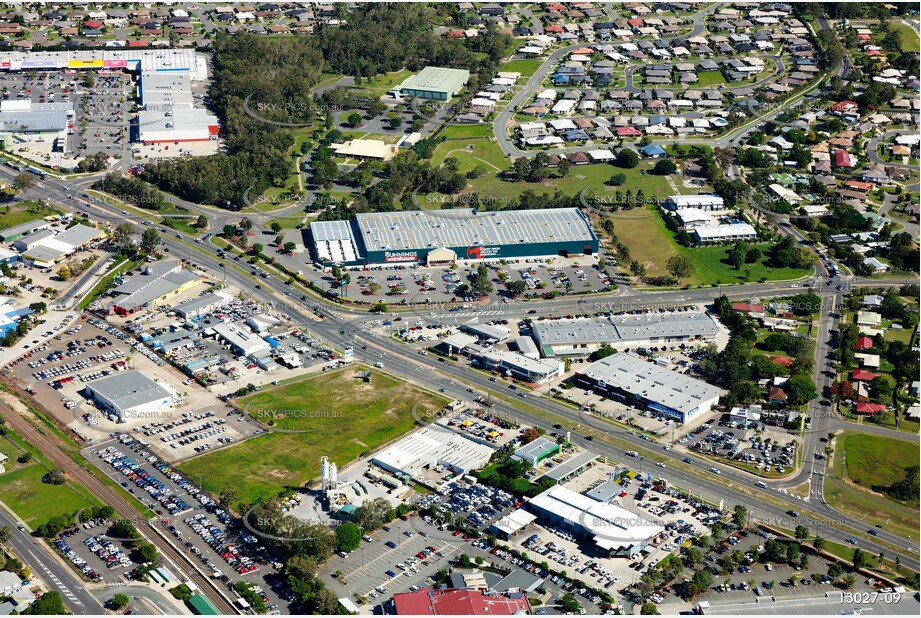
{"x": 612, "y": 529}
{"x": 712, "y": 234}
{"x": 703, "y": 202}
{"x": 159, "y": 282}
{"x": 130, "y": 394}
{"x": 448, "y": 236}
{"x": 629, "y": 379}
{"x": 537, "y": 450}
{"x": 241, "y": 342}
{"x": 432, "y": 446}
{"x": 16, "y": 232}
{"x": 200, "y": 305}
{"x": 437, "y": 83}
{"x": 534, "y": 371}
{"x": 580, "y": 336}
{"x": 374, "y": 149}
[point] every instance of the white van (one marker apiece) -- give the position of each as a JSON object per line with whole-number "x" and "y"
{"x": 379, "y": 365}
{"x": 761, "y": 484}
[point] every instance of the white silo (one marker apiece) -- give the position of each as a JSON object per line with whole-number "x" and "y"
{"x": 333, "y": 476}
{"x": 324, "y": 471}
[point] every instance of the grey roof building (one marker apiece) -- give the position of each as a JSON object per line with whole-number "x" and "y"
{"x": 630, "y": 379}
{"x": 130, "y": 394}
{"x": 581, "y": 336}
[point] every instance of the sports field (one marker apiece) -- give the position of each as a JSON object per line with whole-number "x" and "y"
{"x": 333, "y": 414}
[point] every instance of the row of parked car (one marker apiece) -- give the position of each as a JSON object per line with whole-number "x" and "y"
{"x": 217, "y": 540}
{"x": 144, "y": 480}
{"x": 77, "y": 561}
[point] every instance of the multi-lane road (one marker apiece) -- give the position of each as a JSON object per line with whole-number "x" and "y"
{"x": 344, "y": 328}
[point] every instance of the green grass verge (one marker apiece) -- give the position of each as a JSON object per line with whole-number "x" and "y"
{"x": 106, "y": 282}
{"x": 336, "y": 414}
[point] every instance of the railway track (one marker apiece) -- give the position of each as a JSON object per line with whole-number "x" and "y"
{"x": 108, "y": 496}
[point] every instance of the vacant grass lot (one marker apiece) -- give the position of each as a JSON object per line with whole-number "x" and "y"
{"x": 23, "y": 212}
{"x": 711, "y": 78}
{"x": 22, "y": 490}
{"x": 862, "y": 461}
{"x": 874, "y": 461}
{"x": 593, "y": 176}
{"x": 380, "y": 84}
{"x": 527, "y": 67}
{"x": 336, "y": 415}
{"x": 455, "y": 131}
{"x": 651, "y": 243}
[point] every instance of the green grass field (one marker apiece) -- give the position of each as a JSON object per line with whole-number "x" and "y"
{"x": 711, "y": 78}
{"x": 652, "y": 243}
{"x": 456, "y": 131}
{"x": 527, "y": 67}
{"x": 593, "y": 176}
{"x": 862, "y": 461}
{"x": 910, "y": 42}
{"x": 874, "y": 461}
{"x": 336, "y": 415}
{"x": 15, "y": 214}
{"x": 380, "y": 84}
{"x": 22, "y": 490}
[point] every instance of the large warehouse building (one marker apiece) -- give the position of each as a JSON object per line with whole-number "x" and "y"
{"x": 130, "y": 394}
{"x": 630, "y": 379}
{"x": 581, "y": 336}
{"x": 612, "y": 529}
{"x": 445, "y": 237}
{"x": 436, "y": 83}
{"x": 431, "y": 447}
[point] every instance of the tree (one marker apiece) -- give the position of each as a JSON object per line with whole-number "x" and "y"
{"x": 564, "y": 167}
{"x": 64, "y": 272}
{"x": 882, "y": 386}
{"x": 373, "y": 514}
{"x": 122, "y": 234}
{"x": 818, "y": 543}
{"x": 353, "y": 119}
{"x": 289, "y": 247}
{"x": 517, "y": 287}
{"x": 649, "y": 609}
{"x": 700, "y": 582}
{"x": 740, "y": 516}
{"x": 464, "y": 561}
{"x": 618, "y": 179}
{"x": 201, "y": 222}
{"x": 150, "y": 240}
{"x": 348, "y": 537}
{"x": 627, "y": 158}
{"x": 806, "y": 304}
{"x": 801, "y": 532}
{"x": 835, "y": 570}
{"x": 24, "y": 181}
{"x": 861, "y": 559}
{"x": 529, "y": 435}
{"x": 6, "y": 533}
{"x": 119, "y": 601}
{"x": 275, "y": 226}
{"x": 801, "y": 389}
{"x": 257, "y": 248}
{"x": 569, "y": 604}
{"x": 679, "y": 266}
{"x": 229, "y": 230}
{"x": 148, "y": 552}
{"x": 49, "y": 604}
{"x": 665, "y": 167}
{"x": 55, "y": 476}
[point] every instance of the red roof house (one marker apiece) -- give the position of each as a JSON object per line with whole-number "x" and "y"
{"x": 92, "y": 24}
{"x": 784, "y": 361}
{"x": 863, "y": 343}
{"x": 844, "y": 106}
{"x": 777, "y": 395}
{"x": 862, "y": 375}
{"x": 865, "y": 407}
{"x": 555, "y": 8}
{"x": 555, "y": 28}
{"x": 627, "y": 132}
{"x": 844, "y": 159}
{"x": 636, "y": 22}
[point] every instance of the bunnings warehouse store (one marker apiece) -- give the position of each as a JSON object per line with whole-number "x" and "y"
{"x": 442, "y": 237}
